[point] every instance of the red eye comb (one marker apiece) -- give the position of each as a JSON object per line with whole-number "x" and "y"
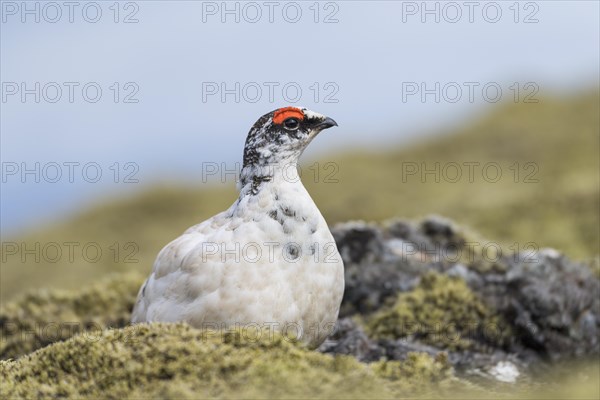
{"x": 287, "y": 112}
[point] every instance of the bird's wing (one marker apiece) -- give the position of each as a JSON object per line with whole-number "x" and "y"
{"x": 166, "y": 286}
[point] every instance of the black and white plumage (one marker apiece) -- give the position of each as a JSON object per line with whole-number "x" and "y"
{"x": 269, "y": 260}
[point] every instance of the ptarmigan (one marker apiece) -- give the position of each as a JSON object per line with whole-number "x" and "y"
{"x": 269, "y": 261}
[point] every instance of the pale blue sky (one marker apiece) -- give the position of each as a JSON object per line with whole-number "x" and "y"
{"x": 368, "y": 56}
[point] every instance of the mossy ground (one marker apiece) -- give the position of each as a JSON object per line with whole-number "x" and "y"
{"x": 44, "y": 317}
{"x": 174, "y": 360}
{"x": 443, "y": 312}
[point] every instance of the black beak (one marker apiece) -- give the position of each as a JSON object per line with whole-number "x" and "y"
{"x": 326, "y": 123}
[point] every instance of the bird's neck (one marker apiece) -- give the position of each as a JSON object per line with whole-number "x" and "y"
{"x": 254, "y": 178}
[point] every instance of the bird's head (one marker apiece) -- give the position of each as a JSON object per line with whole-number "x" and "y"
{"x": 280, "y": 137}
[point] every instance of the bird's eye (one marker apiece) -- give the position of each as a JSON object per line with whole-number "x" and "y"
{"x": 291, "y": 124}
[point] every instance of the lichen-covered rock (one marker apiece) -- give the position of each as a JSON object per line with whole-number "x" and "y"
{"x": 553, "y": 304}
{"x": 41, "y": 318}
{"x": 177, "y": 361}
{"x": 373, "y": 272}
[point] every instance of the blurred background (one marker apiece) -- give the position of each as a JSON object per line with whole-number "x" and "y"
{"x": 122, "y": 124}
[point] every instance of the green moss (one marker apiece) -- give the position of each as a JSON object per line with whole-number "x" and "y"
{"x": 440, "y": 311}
{"x": 419, "y": 373}
{"x": 43, "y": 317}
{"x": 175, "y": 360}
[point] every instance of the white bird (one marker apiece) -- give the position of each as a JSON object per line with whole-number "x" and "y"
{"x": 269, "y": 261}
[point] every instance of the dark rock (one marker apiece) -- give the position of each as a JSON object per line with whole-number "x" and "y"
{"x": 554, "y": 304}
{"x": 358, "y": 242}
{"x": 350, "y": 339}
{"x": 399, "y": 349}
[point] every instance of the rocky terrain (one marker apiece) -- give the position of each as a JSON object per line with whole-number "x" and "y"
{"x": 432, "y": 287}
{"x": 430, "y": 309}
